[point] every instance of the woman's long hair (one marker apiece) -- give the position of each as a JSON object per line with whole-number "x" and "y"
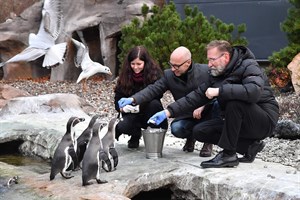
{"x": 151, "y": 71}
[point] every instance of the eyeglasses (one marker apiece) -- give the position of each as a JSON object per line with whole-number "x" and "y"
{"x": 214, "y": 59}
{"x": 177, "y": 66}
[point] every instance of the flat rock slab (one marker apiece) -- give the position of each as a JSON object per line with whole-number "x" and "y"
{"x": 177, "y": 171}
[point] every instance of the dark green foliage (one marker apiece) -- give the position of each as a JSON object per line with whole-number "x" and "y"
{"x": 282, "y": 58}
{"x": 291, "y": 26}
{"x": 162, "y": 30}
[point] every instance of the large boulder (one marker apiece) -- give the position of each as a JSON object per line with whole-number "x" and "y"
{"x": 37, "y": 123}
{"x": 100, "y": 22}
{"x": 287, "y": 129}
{"x": 48, "y": 103}
{"x": 8, "y": 92}
{"x": 294, "y": 68}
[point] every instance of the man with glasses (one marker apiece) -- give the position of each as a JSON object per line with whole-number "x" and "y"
{"x": 249, "y": 108}
{"x": 183, "y": 77}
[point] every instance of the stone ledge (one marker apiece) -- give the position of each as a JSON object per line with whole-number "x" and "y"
{"x": 176, "y": 170}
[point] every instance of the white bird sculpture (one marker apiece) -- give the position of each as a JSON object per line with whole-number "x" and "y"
{"x": 89, "y": 67}
{"x": 43, "y": 43}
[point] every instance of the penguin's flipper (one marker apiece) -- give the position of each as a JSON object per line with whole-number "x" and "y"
{"x": 114, "y": 155}
{"x": 68, "y": 164}
{"x": 75, "y": 163}
{"x": 57, "y": 165}
{"x": 53, "y": 173}
{"x": 106, "y": 164}
{"x": 81, "y": 149}
{"x": 52, "y": 176}
{"x": 99, "y": 181}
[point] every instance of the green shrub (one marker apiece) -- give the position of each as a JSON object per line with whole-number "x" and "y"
{"x": 280, "y": 60}
{"x": 162, "y": 30}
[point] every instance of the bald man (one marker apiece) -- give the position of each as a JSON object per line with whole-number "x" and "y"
{"x": 180, "y": 79}
{"x": 249, "y": 110}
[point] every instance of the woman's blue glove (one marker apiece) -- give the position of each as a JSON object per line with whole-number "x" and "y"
{"x": 125, "y": 101}
{"x": 158, "y": 118}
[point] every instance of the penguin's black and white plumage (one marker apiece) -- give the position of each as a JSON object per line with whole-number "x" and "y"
{"x": 12, "y": 180}
{"x": 94, "y": 157}
{"x": 84, "y": 139}
{"x": 4, "y": 186}
{"x": 108, "y": 142}
{"x": 65, "y": 157}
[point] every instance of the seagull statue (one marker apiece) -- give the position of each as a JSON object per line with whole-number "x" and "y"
{"x": 43, "y": 43}
{"x": 89, "y": 67}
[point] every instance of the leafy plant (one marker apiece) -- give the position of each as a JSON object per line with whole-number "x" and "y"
{"x": 161, "y": 30}
{"x": 279, "y": 77}
{"x": 280, "y": 60}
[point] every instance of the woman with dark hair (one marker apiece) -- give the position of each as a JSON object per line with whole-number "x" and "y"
{"x": 139, "y": 70}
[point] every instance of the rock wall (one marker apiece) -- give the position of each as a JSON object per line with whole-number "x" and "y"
{"x": 99, "y": 20}
{"x": 8, "y": 92}
{"x": 12, "y": 8}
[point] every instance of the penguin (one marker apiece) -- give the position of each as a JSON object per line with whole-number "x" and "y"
{"x": 65, "y": 153}
{"x": 94, "y": 157}
{"x": 84, "y": 139}
{"x": 12, "y": 180}
{"x": 108, "y": 142}
{"x": 5, "y": 186}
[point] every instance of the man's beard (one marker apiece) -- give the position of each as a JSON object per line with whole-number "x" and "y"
{"x": 217, "y": 71}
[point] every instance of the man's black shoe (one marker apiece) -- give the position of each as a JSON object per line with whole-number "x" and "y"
{"x": 253, "y": 149}
{"x": 221, "y": 160}
{"x": 133, "y": 143}
{"x": 189, "y": 145}
{"x": 206, "y": 150}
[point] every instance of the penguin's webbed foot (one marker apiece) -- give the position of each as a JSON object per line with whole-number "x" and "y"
{"x": 101, "y": 182}
{"x": 77, "y": 168}
{"x": 66, "y": 175}
{"x": 86, "y": 183}
{"x": 106, "y": 164}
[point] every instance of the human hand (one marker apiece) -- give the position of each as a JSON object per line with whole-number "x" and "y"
{"x": 197, "y": 112}
{"x": 125, "y": 101}
{"x": 158, "y": 118}
{"x": 131, "y": 109}
{"x": 212, "y": 92}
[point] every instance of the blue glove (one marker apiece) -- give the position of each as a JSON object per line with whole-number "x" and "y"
{"x": 157, "y": 118}
{"x": 124, "y": 101}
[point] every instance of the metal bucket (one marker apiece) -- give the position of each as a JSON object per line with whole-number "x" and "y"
{"x": 154, "y": 141}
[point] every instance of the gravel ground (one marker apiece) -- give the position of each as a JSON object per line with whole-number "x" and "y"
{"x": 100, "y": 95}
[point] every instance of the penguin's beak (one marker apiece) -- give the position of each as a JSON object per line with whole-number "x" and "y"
{"x": 78, "y": 119}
